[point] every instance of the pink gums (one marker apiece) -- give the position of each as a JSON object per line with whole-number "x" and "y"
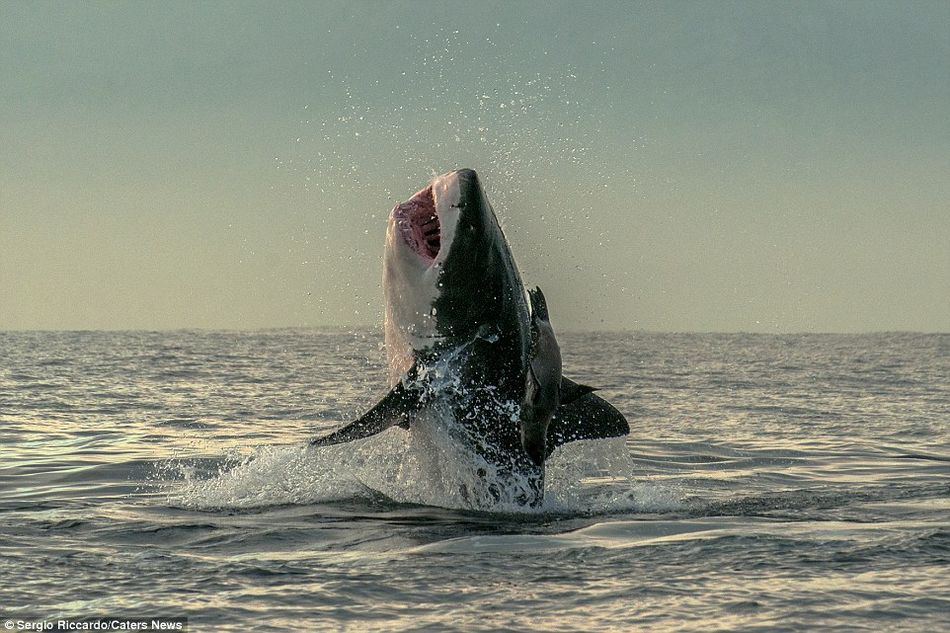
{"x": 419, "y": 225}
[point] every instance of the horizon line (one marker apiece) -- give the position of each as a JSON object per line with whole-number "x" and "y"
{"x": 379, "y": 329}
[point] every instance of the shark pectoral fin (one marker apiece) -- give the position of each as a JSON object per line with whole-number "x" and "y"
{"x": 395, "y": 409}
{"x": 571, "y": 391}
{"x": 587, "y": 417}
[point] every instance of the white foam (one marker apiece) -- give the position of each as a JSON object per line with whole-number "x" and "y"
{"x": 273, "y": 475}
{"x": 430, "y": 466}
{"x": 597, "y": 477}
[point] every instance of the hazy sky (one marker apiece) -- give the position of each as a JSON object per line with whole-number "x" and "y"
{"x": 665, "y": 166}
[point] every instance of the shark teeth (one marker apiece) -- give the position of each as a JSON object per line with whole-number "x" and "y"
{"x": 419, "y": 224}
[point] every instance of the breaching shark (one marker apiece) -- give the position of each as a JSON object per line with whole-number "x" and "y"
{"x": 465, "y": 340}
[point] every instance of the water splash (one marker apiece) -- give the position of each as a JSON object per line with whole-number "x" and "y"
{"x": 429, "y": 466}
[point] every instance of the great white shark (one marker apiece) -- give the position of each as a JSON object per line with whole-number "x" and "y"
{"x": 466, "y": 341}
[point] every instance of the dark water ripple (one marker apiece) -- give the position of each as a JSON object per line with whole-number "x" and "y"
{"x": 791, "y": 482}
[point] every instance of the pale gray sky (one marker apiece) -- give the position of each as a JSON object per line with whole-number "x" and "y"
{"x": 665, "y": 166}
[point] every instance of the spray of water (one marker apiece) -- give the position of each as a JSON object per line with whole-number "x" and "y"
{"x": 428, "y": 466}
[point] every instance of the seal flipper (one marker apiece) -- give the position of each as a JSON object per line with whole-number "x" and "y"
{"x": 395, "y": 409}
{"x": 588, "y": 417}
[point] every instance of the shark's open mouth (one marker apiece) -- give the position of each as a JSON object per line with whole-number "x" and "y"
{"x": 419, "y": 225}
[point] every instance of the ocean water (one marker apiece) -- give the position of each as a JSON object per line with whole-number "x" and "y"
{"x": 770, "y": 482}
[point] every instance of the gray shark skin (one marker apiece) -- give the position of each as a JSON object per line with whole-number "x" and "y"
{"x": 456, "y": 308}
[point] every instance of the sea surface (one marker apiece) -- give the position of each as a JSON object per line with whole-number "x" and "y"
{"x": 770, "y": 482}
